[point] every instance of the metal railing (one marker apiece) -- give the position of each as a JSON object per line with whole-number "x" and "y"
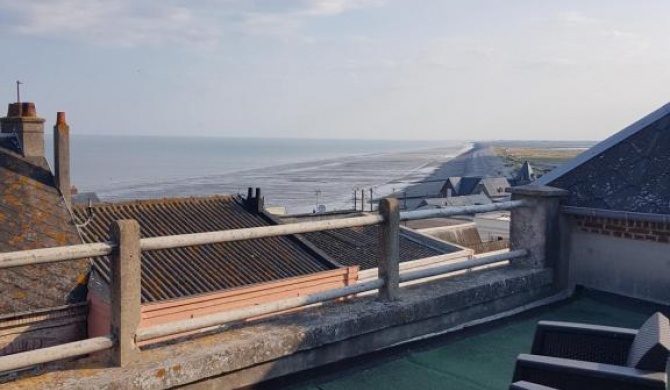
{"x": 126, "y": 247}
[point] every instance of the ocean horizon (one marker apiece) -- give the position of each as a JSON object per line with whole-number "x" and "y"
{"x": 298, "y": 174}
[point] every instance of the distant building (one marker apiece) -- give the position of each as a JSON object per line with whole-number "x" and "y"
{"x": 465, "y": 200}
{"x": 526, "y": 174}
{"x": 495, "y": 188}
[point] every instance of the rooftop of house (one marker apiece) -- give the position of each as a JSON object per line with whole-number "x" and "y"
{"x": 425, "y": 189}
{"x": 360, "y": 246}
{"x": 33, "y": 215}
{"x": 464, "y": 200}
{"x": 495, "y": 186}
{"x": 182, "y": 272}
{"x": 526, "y": 173}
{"x": 479, "y": 358}
{"x": 469, "y": 185}
{"x": 463, "y": 185}
{"x": 436, "y": 222}
{"x": 626, "y": 172}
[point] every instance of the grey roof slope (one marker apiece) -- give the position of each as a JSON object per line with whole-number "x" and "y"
{"x": 360, "y": 246}
{"x": 183, "y": 272}
{"x": 526, "y": 173}
{"x": 465, "y": 200}
{"x": 468, "y": 184}
{"x": 630, "y": 171}
{"x": 423, "y": 189}
{"x": 495, "y": 186}
{"x": 33, "y": 215}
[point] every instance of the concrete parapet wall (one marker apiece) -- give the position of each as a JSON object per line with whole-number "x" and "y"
{"x": 635, "y": 267}
{"x": 290, "y": 343}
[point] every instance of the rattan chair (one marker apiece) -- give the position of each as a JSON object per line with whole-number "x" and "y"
{"x": 579, "y": 356}
{"x": 523, "y": 385}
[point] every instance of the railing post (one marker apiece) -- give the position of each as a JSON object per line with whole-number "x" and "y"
{"x": 389, "y": 238}
{"x": 125, "y": 291}
{"x": 536, "y": 227}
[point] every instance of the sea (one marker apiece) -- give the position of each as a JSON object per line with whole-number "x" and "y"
{"x": 300, "y": 175}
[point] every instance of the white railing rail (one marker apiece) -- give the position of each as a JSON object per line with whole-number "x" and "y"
{"x": 125, "y": 251}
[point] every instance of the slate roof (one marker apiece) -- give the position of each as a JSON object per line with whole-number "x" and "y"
{"x": 423, "y": 189}
{"x": 360, "y": 246}
{"x": 33, "y": 215}
{"x": 10, "y": 142}
{"x": 627, "y": 172}
{"x": 182, "y": 272}
{"x": 467, "y": 185}
{"x": 495, "y": 186}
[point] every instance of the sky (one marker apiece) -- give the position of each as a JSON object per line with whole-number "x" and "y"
{"x": 356, "y": 69}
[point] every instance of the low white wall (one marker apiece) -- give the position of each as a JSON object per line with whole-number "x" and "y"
{"x": 635, "y": 268}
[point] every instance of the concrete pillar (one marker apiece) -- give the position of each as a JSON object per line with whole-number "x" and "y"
{"x": 537, "y": 226}
{"x": 125, "y": 290}
{"x": 62, "y": 157}
{"x": 389, "y": 248}
{"x": 22, "y": 120}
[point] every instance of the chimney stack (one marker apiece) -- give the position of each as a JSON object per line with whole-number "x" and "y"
{"x": 23, "y": 121}
{"x": 255, "y": 204}
{"x": 62, "y": 157}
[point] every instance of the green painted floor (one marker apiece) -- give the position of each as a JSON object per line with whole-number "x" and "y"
{"x": 481, "y": 360}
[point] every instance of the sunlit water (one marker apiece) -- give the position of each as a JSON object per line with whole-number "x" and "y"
{"x": 295, "y": 173}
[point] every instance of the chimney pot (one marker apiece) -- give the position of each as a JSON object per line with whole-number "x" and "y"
{"x": 22, "y": 120}
{"x": 28, "y": 110}
{"x": 14, "y": 110}
{"x": 60, "y": 118}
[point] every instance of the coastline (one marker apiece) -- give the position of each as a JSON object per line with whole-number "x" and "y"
{"x": 294, "y": 185}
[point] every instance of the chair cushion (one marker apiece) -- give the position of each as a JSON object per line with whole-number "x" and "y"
{"x": 651, "y": 347}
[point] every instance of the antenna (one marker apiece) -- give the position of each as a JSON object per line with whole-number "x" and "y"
{"x": 18, "y": 91}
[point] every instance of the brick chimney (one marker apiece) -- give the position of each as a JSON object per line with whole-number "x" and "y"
{"x": 62, "y": 157}
{"x": 23, "y": 121}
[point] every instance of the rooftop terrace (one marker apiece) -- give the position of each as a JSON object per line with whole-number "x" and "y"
{"x": 478, "y": 358}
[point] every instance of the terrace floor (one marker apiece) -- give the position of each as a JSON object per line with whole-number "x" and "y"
{"x": 480, "y": 358}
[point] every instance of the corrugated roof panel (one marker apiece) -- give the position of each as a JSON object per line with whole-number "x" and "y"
{"x": 181, "y": 272}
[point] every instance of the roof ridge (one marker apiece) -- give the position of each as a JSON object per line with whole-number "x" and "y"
{"x": 154, "y": 201}
{"x": 606, "y": 144}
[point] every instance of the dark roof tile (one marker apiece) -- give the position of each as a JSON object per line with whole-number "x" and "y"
{"x": 359, "y": 246}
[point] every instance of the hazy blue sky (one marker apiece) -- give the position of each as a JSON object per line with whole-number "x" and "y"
{"x": 394, "y": 69}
